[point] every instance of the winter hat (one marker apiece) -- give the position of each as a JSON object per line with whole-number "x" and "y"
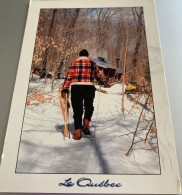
{"x": 84, "y": 52}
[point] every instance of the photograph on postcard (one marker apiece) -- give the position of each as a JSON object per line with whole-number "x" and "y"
{"x": 89, "y": 106}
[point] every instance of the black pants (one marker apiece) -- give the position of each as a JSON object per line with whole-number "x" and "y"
{"x": 82, "y": 97}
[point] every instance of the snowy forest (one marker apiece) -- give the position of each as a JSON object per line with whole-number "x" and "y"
{"x": 124, "y": 116}
{"x": 112, "y": 33}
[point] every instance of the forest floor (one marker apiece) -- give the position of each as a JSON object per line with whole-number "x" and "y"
{"x": 43, "y": 148}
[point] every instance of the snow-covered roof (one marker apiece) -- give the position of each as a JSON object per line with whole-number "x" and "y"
{"x": 103, "y": 63}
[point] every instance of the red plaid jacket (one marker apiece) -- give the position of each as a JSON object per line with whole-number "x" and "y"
{"x": 79, "y": 73}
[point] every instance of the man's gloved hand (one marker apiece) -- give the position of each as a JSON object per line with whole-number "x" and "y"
{"x": 63, "y": 92}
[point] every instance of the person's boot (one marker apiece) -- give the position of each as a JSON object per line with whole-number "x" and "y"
{"x": 78, "y": 134}
{"x": 86, "y": 130}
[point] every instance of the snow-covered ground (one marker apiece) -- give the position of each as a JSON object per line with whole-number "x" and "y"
{"x": 44, "y": 150}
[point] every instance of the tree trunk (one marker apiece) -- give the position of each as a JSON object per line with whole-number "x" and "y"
{"x": 68, "y": 35}
{"x": 124, "y": 68}
{"x": 49, "y": 37}
{"x": 138, "y": 41}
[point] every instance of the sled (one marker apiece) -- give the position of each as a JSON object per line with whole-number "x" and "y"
{"x": 64, "y": 104}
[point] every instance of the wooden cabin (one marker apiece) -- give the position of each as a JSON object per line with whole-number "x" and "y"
{"x": 107, "y": 70}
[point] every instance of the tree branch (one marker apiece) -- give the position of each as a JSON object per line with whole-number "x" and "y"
{"x": 137, "y": 127}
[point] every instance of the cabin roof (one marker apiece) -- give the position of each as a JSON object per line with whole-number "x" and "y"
{"x": 103, "y": 63}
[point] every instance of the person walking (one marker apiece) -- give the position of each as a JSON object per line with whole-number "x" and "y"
{"x": 80, "y": 76}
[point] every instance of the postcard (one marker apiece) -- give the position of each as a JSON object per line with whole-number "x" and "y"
{"x": 90, "y": 110}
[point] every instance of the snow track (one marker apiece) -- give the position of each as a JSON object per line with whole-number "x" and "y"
{"x": 43, "y": 149}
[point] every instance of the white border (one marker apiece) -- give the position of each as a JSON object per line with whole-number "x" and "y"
{"x": 166, "y": 183}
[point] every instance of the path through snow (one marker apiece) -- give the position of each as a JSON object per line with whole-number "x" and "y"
{"x": 43, "y": 149}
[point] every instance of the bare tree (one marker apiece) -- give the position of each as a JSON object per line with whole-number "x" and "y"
{"x": 49, "y": 37}
{"x": 139, "y": 20}
{"x": 124, "y": 66}
{"x": 69, "y": 32}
